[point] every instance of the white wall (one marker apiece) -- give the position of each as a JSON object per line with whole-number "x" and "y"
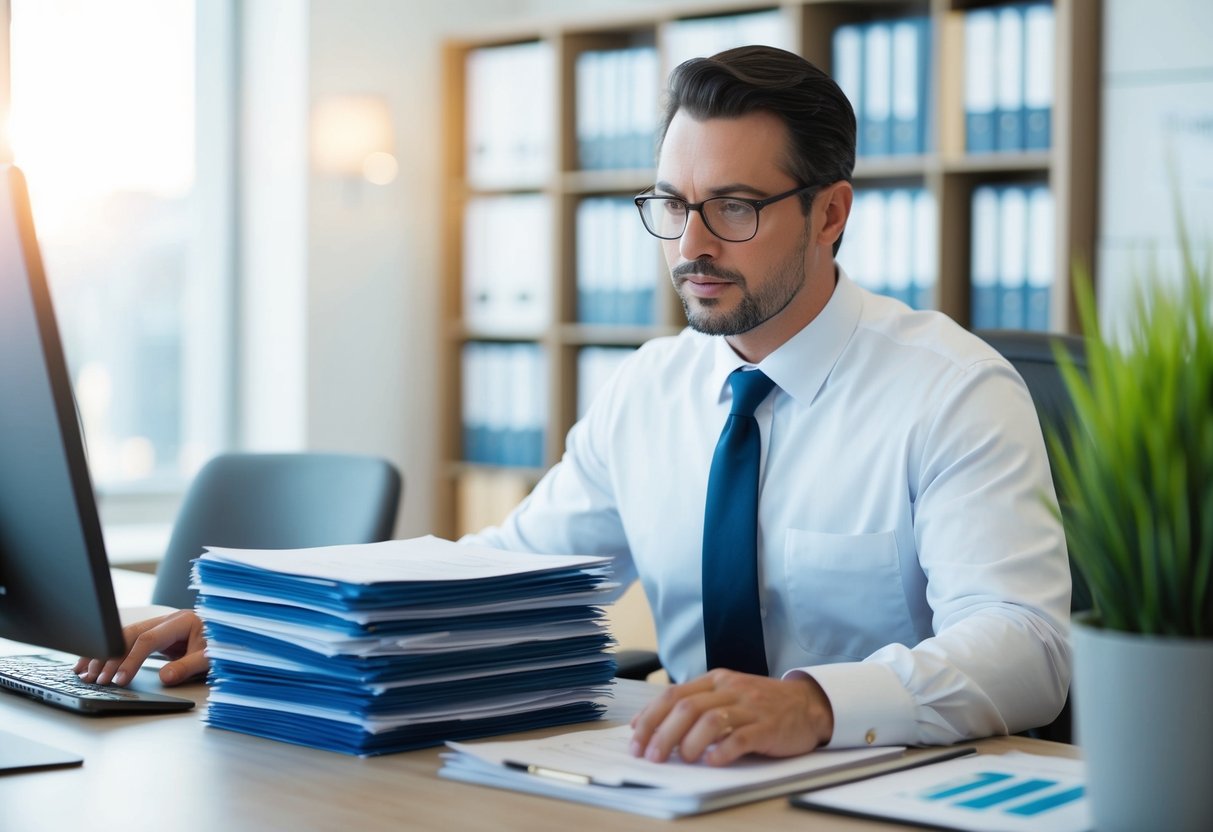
{"x": 1157, "y": 136}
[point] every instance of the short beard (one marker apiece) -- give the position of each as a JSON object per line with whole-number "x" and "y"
{"x": 754, "y": 309}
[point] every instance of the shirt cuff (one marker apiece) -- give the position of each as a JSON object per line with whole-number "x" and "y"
{"x": 871, "y": 707}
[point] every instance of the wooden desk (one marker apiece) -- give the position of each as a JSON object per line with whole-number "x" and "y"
{"x": 174, "y": 773}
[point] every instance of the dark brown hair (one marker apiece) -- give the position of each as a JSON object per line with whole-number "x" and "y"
{"x": 748, "y": 79}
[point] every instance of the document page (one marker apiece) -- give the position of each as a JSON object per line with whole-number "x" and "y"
{"x": 595, "y": 767}
{"x": 603, "y": 757}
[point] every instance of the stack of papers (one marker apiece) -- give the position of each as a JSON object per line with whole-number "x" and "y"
{"x": 391, "y": 646}
{"x": 595, "y": 767}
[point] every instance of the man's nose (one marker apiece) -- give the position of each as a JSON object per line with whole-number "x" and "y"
{"x": 697, "y": 241}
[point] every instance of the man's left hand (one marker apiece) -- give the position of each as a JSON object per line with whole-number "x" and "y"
{"x": 724, "y": 715}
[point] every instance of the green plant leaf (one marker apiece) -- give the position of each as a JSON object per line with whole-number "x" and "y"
{"x": 1135, "y": 465}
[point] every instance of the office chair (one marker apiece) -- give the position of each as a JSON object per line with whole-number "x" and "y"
{"x": 1032, "y": 354}
{"x": 277, "y": 501}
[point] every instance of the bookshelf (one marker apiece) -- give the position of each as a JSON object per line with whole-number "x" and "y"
{"x": 473, "y": 493}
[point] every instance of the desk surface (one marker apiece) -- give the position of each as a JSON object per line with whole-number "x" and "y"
{"x": 171, "y": 772}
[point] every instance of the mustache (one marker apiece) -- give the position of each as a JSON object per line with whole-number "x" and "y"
{"x": 706, "y": 268}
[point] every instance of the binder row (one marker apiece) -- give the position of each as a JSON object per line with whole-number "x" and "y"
{"x": 1008, "y": 94}
{"x": 507, "y": 263}
{"x": 890, "y": 244}
{"x": 618, "y": 264}
{"x": 1012, "y": 257}
{"x": 595, "y": 366}
{"x": 883, "y": 67}
{"x": 695, "y": 37}
{"x": 394, "y": 646}
{"x": 505, "y": 399}
{"x": 617, "y": 108}
{"x": 510, "y": 114}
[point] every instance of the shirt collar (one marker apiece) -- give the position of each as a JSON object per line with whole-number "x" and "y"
{"x": 801, "y": 365}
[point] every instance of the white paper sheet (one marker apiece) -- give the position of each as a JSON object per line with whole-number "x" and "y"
{"x": 604, "y": 756}
{"x": 418, "y": 559}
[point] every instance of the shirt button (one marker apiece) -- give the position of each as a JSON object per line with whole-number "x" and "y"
{"x": 870, "y": 737}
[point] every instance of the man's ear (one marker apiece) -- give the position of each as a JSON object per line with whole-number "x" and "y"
{"x": 834, "y": 202}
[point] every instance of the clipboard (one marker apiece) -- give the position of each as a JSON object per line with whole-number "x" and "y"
{"x": 594, "y": 767}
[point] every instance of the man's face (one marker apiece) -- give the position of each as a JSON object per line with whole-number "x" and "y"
{"x": 733, "y": 288}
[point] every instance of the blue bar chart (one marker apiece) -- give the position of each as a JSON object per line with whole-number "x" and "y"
{"x": 998, "y": 793}
{"x": 1001, "y": 791}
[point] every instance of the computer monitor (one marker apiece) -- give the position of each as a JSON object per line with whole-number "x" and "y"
{"x": 55, "y": 588}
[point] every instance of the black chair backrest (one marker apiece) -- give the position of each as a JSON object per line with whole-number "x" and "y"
{"x": 278, "y": 501}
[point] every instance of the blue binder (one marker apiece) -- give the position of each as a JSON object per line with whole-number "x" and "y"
{"x": 848, "y": 73}
{"x": 910, "y": 60}
{"x": 877, "y": 88}
{"x": 1012, "y": 257}
{"x": 1010, "y": 84}
{"x": 981, "y": 68}
{"x": 1038, "y": 77}
{"x": 984, "y": 258}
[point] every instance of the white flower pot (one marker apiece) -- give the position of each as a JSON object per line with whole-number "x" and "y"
{"x": 1143, "y": 708}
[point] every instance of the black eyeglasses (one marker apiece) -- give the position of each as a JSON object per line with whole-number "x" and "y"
{"x": 733, "y": 219}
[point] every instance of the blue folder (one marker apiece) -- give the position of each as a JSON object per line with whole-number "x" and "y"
{"x": 349, "y": 738}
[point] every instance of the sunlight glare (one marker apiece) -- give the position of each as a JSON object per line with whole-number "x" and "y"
{"x": 89, "y": 118}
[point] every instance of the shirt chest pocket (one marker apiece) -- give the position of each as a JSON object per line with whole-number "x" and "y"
{"x": 845, "y": 594}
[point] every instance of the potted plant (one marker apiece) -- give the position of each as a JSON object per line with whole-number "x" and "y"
{"x": 1136, "y": 492}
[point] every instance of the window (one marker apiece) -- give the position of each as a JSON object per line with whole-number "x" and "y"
{"x": 120, "y": 118}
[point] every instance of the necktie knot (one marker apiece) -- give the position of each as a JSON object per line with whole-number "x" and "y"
{"x": 750, "y": 387}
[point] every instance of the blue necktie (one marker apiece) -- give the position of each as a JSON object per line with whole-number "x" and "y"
{"x": 732, "y": 624}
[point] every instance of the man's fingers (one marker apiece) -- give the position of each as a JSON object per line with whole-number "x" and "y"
{"x": 714, "y": 727}
{"x": 687, "y": 719}
{"x": 655, "y": 713}
{"x": 178, "y": 633}
{"x": 725, "y": 715}
{"x": 192, "y": 664}
{"x": 178, "y": 628}
{"x": 740, "y": 742}
{"x": 90, "y": 669}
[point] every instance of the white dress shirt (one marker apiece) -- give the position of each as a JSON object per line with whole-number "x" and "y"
{"x": 908, "y": 558}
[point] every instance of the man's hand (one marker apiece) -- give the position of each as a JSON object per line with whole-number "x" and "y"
{"x": 724, "y": 715}
{"x": 177, "y": 635}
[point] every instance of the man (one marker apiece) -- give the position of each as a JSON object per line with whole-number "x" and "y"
{"x": 898, "y": 576}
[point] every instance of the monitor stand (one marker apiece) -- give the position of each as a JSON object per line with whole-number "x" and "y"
{"x": 18, "y": 754}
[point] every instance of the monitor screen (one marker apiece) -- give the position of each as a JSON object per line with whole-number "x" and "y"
{"x": 55, "y": 588}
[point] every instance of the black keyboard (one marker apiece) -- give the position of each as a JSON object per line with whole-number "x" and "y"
{"x": 52, "y": 681}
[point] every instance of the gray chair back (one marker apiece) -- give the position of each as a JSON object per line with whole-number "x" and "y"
{"x": 277, "y": 501}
